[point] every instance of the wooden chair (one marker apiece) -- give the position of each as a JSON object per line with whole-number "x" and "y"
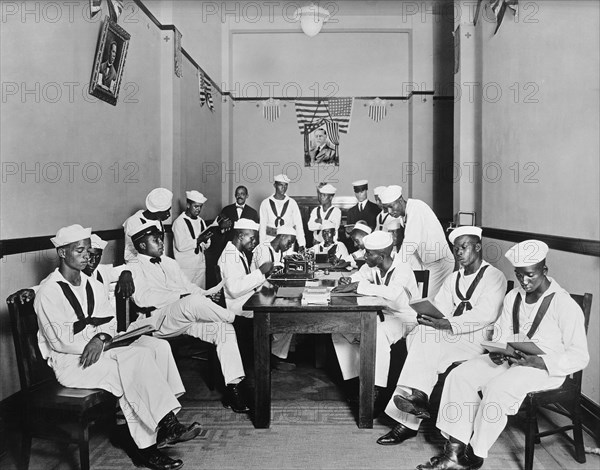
{"x": 45, "y": 401}
{"x": 565, "y": 400}
{"x": 182, "y": 346}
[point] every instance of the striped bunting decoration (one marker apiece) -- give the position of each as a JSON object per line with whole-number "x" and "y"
{"x": 271, "y": 109}
{"x": 201, "y": 90}
{"x": 377, "y": 109}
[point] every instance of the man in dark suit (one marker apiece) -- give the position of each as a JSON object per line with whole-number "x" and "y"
{"x": 365, "y": 209}
{"x": 322, "y": 152}
{"x": 107, "y": 69}
{"x": 232, "y": 212}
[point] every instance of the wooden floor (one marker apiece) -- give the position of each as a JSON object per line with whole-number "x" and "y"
{"x": 312, "y": 427}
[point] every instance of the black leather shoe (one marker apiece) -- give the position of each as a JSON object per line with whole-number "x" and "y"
{"x": 171, "y": 431}
{"x": 475, "y": 462}
{"x": 397, "y": 435}
{"x": 415, "y": 404}
{"x": 153, "y": 458}
{"x": 234, "y": 399}
{"x": 451, "y": 459}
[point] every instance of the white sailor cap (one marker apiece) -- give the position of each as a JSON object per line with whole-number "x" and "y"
{"x": 327, "y": 189}
{"x": 286, "y": 230}
{"x": 97, "y": 242}
{"x": 327, "y": 225}
{"x": 281, "y": 179}
{"x": 362, "y": 227}
{"x": 360, "y": 185}
{"x": 246, "y": 224}
{"x": 378, "y": 190}
{"x": 391, "y": 194}
{"x": 70, "y": 234}
{"x": 527, "y": 253}
{"x": 464, "y": 230}
{"x": 394, "y": 225}
{"x": 378, "y": 240}
{"x": 139, "y": 228}
{"x": 159, "y": 200}
{"x": 195, "y": 196}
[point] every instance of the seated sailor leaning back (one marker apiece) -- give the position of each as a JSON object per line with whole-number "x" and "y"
{"x": 242, "y": 278}
{"x": 394, "y": 282}
{"x": 76, "y": 325}
{"x": 538, "y": 310}
{"x": 470, "y": 299}
{"x": 183, "y": 308}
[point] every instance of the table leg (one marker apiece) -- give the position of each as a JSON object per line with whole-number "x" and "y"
{"x": 367, "y": 370}
{"x": 262, "y": 371}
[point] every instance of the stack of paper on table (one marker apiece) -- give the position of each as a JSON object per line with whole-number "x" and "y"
{"x": 315, "y": 296}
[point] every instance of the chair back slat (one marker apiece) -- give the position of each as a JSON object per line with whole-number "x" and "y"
{"x": 33, "y": 368}
{"x": 585, "y": 302}
{"x": 422, "y": 277}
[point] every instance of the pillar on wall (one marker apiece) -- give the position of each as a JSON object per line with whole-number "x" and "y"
{"x": 467, "y": 116}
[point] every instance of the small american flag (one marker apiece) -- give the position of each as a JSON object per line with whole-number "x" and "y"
{"x": 499, "y": 8}
{"x": 116, "y": 7}
{"x": 340, "y": 110}
{"x": 377, "y": 109}
{"x": 95, "y": 7}
{"x": 205, "y": 91}
{"x": 271, "y": 109}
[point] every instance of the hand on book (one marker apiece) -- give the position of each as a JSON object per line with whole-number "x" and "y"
{"x": 351, "y": 287}
{"x": 498, "y": 358}
{"x": 437, "y": 323}
{"x": 527, "y": 360}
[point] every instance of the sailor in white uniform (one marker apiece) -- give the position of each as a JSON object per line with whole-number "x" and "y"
{"x": 325, "y": 211}
{"x": 538, "y": 310}
{"x": 423, "y": 235}
{"x": 470, "y": 300}
{"x": 183, "y": 308}
{"x": 243, "y": 278}
{"x": 158, "y": 209}
{"x": 188, "y": 246}
{"x": 279, "y": 209}
{"x": 379, "y": 276}
{"x": 76, "y": 326}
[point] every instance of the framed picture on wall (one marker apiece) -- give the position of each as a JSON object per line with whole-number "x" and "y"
{"x": 109, "y": 62}
{"x": 319, "y": 148}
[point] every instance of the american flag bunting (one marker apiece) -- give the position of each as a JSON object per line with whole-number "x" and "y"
{"x": 116, "y": 8}
{"x": 95, "y": 7}
{"x": 271, "y": 109}
{"x": 377, "y": 109}
{"x": 340, "y": 110}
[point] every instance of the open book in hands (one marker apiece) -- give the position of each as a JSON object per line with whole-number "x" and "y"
{"x": 426, "y": 307}
{"x": 509, "y": 348}
{"x": 125, "y": 339}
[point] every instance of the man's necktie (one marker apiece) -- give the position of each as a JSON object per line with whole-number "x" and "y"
{"x": 155, "y": 260}
{"x": 464, "y": 299}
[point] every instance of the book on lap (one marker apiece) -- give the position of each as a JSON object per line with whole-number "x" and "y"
{"x": 128, "y": 337}
{"x": 509, "y": 348}
{"x": 426, "y": 307}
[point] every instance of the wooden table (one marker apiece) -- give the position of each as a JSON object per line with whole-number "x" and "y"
{"x": 287, "y": 315}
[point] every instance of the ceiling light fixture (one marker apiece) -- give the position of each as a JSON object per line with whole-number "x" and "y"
{"x": 312, "y": 18}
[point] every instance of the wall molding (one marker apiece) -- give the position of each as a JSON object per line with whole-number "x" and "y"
{"x": 580, "y": 246}
{"x": 15, "y": 246}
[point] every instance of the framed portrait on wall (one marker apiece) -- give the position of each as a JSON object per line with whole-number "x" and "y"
{"x": 109, "y": 62}
{"x": 319, "y": 146}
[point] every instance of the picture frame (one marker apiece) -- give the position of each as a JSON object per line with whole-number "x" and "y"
{"x": 109, "y": 62}
{"x": 318, "y": 147}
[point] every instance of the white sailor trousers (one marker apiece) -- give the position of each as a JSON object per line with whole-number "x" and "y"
{"x": 143, "y": 376}
{"x": 479, "y": 421}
